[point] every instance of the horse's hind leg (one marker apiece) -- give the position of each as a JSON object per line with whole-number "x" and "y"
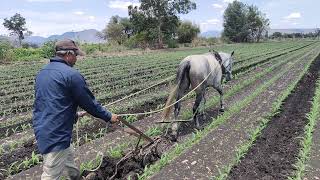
{"x": 203, "y": 104}
{"x": 175, "y": 125}
{"x": 196, "y": 109}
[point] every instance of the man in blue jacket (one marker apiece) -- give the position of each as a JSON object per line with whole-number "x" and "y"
{"x": 59, "y": 91}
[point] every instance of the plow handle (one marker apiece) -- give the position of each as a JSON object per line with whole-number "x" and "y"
{"x": 136, "y": 130}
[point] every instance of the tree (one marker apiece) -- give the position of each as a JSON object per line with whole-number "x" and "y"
{"x": 277, "y": 35}
{"x": 159, "y": 18}
{"x": 298, "y": 35}
{"x": 16, "y": 24}
{"x": 287, "y": 35}
{"x": 257, "y": 23}
{"x": 187, "y": 32}
{"x": 244, "y": 23}
{"x": 48, "y": 49}
{"x": 235, "y": 18}
{"x": 117, "y": 30}
{"x": 127, "y": 26}
{"x": 317, "y": 33}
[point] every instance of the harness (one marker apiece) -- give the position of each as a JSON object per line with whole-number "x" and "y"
{"x": 219, "y": 59}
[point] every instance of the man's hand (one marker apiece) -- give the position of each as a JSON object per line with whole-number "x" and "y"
{"x": 114, "y": 118}
{"x": 81, "y": 114}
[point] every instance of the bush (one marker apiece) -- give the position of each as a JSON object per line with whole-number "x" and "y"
{"x": 212, "y": 41}
{"x": 48, "y": 49}
{"x": 101, "y": 48}
{"x": 5, "y": 54}
{"x": 29, "y": 45}
{"x": 9, "y": 53}
{"x": 137, "y": 41}
{"x": 90, "y": 48}
{"x": 199, "y": 42}
{"x": 23, "y": 54}
{"x": 172, "y": 44}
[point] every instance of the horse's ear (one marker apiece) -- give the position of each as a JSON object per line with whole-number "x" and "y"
{"x": 214, "y": 51}
{"x": 232, "y": 53}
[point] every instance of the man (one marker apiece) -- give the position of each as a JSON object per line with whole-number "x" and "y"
{"x": 59, "y": 90}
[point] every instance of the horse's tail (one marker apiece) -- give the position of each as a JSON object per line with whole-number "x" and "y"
{"x": 181, "y": 74}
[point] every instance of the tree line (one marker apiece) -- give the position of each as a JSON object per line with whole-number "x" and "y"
{"x": 153, "y": 23}
{"x": 157, "y": 23}
{"x": 279, "y": 35}
{"x": 244, "y": 23}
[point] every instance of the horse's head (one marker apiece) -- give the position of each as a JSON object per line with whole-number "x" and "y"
{"x": 227, "y": 62}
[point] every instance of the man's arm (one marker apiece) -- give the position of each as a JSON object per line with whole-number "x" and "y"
{"x": 86, "y": 100}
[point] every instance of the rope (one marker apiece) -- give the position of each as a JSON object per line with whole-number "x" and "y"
{"x": 98, "y": 167}
{"x": 159, "y": 110}
{"x": 78, "y": 145}
{"x": 136, "y": 114}
{"x": 126, "y": 97}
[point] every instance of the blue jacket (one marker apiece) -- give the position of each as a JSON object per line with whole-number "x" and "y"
{"x": 59, "y": 90}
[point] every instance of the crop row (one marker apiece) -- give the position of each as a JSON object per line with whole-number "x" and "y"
{"x": 256, "y": 77}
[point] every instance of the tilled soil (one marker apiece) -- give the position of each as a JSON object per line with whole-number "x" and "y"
{"x": 209, "y": 115}
{"x": 135, "y": 168}
{"x": 130, "y": 165}
{"x": 26, "y": 150}
{"x": 18, "y": 128}
{"x": 218, "y": 148}
{"x": 276, "y": 150}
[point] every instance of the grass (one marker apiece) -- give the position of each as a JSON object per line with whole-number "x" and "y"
{"x": 24, "y": 164}
{"x": 91, "y": 165}
{"x": 306, "y": 142}
{"x": 196, "y": 137}
{"x": 154, "y": 131}
{"x": 188, "y": 114}
{"x": 276, "y": 108}
{"x": 117, "y": 152}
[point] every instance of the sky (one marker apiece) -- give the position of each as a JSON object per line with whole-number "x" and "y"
{"x": 49, "y": 17}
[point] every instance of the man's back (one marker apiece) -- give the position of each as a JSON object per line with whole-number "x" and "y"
{"x": 54, "y": 109}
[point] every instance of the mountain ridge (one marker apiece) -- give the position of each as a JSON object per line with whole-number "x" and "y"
{"x": 90, "y": 35}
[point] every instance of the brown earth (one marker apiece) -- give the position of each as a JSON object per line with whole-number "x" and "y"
{"x": 210, "y": 113}
{"x": 135, "y": 168}
{"x": 218, "y": 148}
{"x": 276, "y": 150}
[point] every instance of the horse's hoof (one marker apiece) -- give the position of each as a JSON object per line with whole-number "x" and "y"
{"x": 202, "y": 116}
{"x": 173, "y": 138}
{"x": 199, "y": 128}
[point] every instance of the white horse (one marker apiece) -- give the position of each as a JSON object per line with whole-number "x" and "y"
{"x": 192, "y": 71}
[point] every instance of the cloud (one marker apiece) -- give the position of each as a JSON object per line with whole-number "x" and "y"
{"x": 210, "y": 24}
{"x": 213, "y": 21}
{"x": 92, "y": 18}
{"x": 49, "y": 23}
{"x": 122, "y": 5}
{"x": 295, "y": 15}
{"x": 46, "y": 1}
{"x": 218, "y": 6}
{"x": 3, "y": 30}
{"x": 228, "y": 1}
{"x": 78, "y": 13}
